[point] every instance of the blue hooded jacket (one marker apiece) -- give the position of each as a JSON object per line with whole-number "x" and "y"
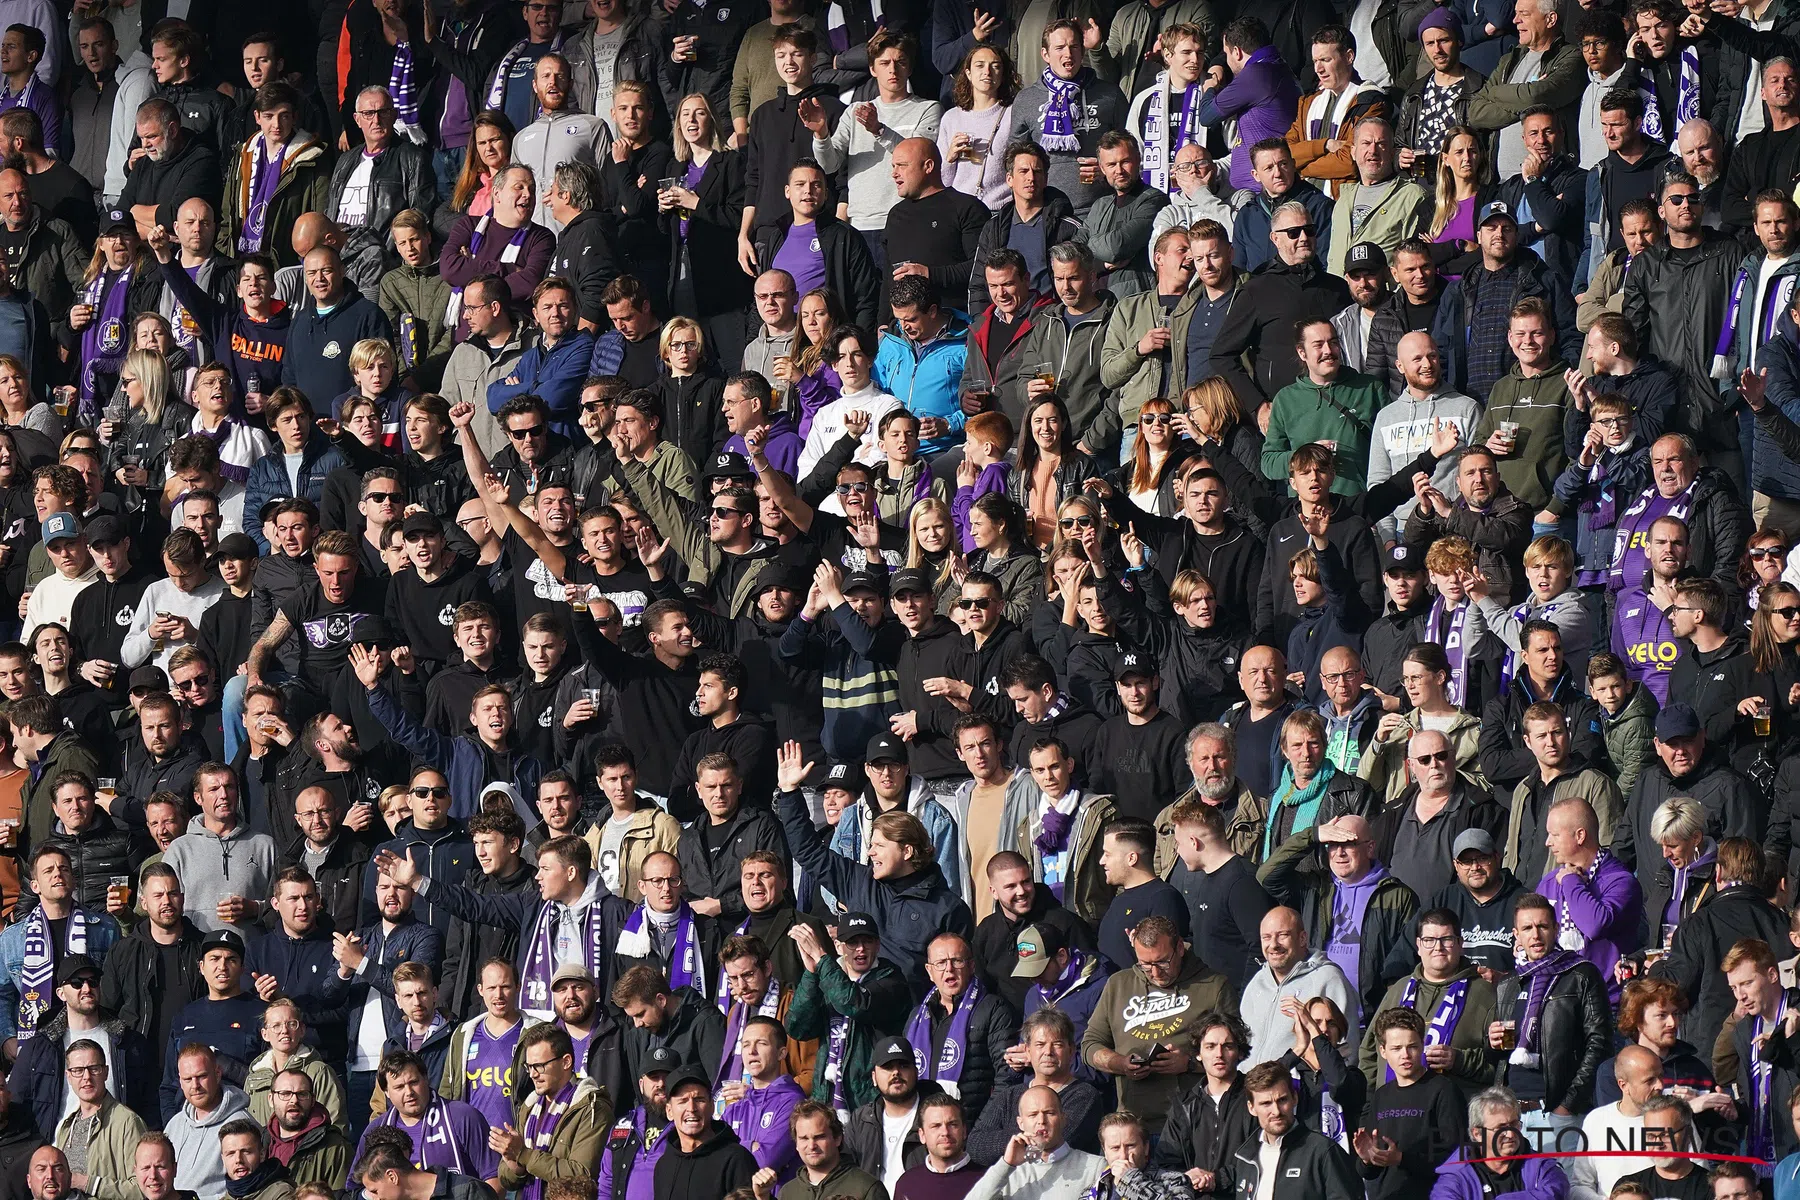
{"x": 927, "y": 379}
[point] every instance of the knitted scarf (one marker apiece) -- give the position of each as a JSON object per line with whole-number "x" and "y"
{"x": 1057, "y": 119}
{"x": 953, "y": 1055}
{"x": 1304, "y": 801}
{"x": 1539, "y": 977}
{"x": 437, "y": 1133}
{"x": 541, "y": 1117}
{"x": 37, "y": 990}
{"x": 1161, "y": 140}
{"x": 496, "y": 94}
{"x": 269, "y": 1172}
{"x": 103, "y": 345}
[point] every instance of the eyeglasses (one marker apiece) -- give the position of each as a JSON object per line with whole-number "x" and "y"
{"x": 373, "y": 112}
{"x": 1155, "y": 418}
{"x": 540, "y": 1068}
{"x": 685, "y": 345}
{"x": 852, "y": 489}
{"x": 1439, "y": 943}
{"x": 723, "y": 513}
{"x": 312, "y": 814}
{"x": 1295, "y": 232}
{"x": 383, "y": 497}
{"x": 1682, "y": 199}
{"x": 979, "y": 603}
{"x": 1613, "y": 422}
{"x": 659, "y": 881}
{"x": 422, "y": 792}
{"x": 96, "y": 1069}
{"x": 1077, "y": 522}
{"x": 519, "y": 435}
{"x": 1337, "y": 676}
{"x": 291, "y": 1095}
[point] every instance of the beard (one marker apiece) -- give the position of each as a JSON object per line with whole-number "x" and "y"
{"x": 1214, "y": 790}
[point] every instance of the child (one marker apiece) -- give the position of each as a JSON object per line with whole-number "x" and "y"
{"x": 1612, "y": 463}
{"x": 415, "y": 298}
{"x": 1549, "y": 570}
{"x": 906, "y": 479}
{"x": 1449, "y": 564}
{"x": 1417, "y": 1112}
{"x": 1331, "y": 611}
{"x": 1629, "y": 712}
{"x": 374, "y": 372}
{"x": 987, "y": 439}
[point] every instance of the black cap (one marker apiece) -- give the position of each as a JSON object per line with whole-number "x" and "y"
{"x": 885, "y": 747}
{"x": 115, "y": 218}
{"x": 684, "y": 1077}
{"x": 73, "y": 965}
{"x": 421, "y": 523}
{"x": 235, "y": 545}
{"x": 267, "y": 511}
{"x": 911, "y": 579}
{"x": 660, "y": 1059}
{"x": 727, "y": 465}
{"x": 1676, "y": 720}
{"x": 1133, "y": 663}
{"x": 148, "y": 677}
{"x": 855, "y": 925}
{"x": 893, "y": 1050}
{"x": 1401, "y": 557}
{"x": 784, "y": 576}
{"x": 373, "y": 631}
{"x": 108, "y": 530}
{"x": 842, "y": 774}
{"x": 867, "y": 581}
{"x": 226, "y": 939}
{"x": 1365, "y": 256}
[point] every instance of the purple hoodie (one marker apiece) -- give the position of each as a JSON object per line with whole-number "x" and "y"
{"x": 782, "y": 447}
{"x": 1458, "y": 1179}
{"x": 1263, "y": 98}
{"x": 1603, "y": 905}
{"x": 994, "y": 477}
{"x": 760, "y": 1121}
{"x": 1643, "y": 638}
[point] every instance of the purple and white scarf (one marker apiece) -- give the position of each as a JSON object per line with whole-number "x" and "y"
{"x": 1161, "y": 142}
{"x": 1071, "y": 978}
{"x": 1447, "y": 629}
{"x": 1629, "y": 561}
{"x": 723, "y": 994}
{"x": 103, "y": 345}
{"x": 1687, "y": 99}
{"x": 405, "y": 91}
{"x": 540, "y": 959}
{"x": 265, "y": 175}
{"x": 1539, "y": 977}
{"x": 453, "y": 312}
{"x": 837, "y": 1044}
{"x": 1775, "y": 301}
{"x": 953, "y": 1055}
{"x": 1444, "y": 1017}
{"x": 1510, "y": 666}
{"x": 541, "y": 1117}
{"x": 37, "y": 987}
{"x": 685, "y": 967}
{"x": 731, "y": 1064}
{"x": 1058, "y": 118}
{"x": 1762, "y": 1086}
{"x": 437, "y": 1133}
{"x": 496, "y": 93}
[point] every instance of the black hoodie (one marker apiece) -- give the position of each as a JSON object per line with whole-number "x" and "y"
{"x": 19, "y": 1140}
{"x": 717, "y": 1167}
{"x": 751, "y": 744}
{"x": 1713, "y": 682}
{"x": 534, "y": 711}
{"x": 936, "y": 650}
{"x": 776, "y": 142}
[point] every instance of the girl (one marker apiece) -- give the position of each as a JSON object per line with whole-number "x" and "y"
{"x": 971, "y": 137}
{"x": 808, "y": 373}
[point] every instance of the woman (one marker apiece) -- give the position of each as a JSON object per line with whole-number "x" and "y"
{"x": 1330, "y": 1092}
{"x": 120, "y": 280}
{"x": 1765, "y": 555}
{"x": 387, "y": 48}
{"x": 1050, "y": 470}
{"x": 1685, "y": 880}
{"x": 1650, "y": 1013}
{"x": 701, "y": 214}
{"x": 930, "y": 547}
{"x": 997, "y": 526}
{"x": 1775, "y": 652}
{"x": 17, "y": 406}
{"x": 138, "y": 443}
{"x": 490, "y": 149}
{"x": 1213, "y": 415}
{"x": 691, "y": 391}
{"x": 152, "y": 331}
{"x": 1147, "y": 477}
{"x": 971, "y": 136}
{"x": 815, "y": 384}
{"x": 1425, "y": 677}
{"x": 1462, "y": 174}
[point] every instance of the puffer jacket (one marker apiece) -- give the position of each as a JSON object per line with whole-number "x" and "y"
{"x": 1629, "y": 734}
{"x": 1086, "y": 892}
{"x": 927, "y": 379}
{"x": 96, "y": 854}
{"x": 1293, "y": 877}
{"x": 1575, "y": 1032}
{"x": 1386, "y": 328}
{"x": 420, "y": 293}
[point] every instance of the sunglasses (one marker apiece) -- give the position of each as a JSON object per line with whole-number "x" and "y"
{"x": 1077, "y": 522}
{"x": 1766, "y": 552}
{"x": 437, "y": 793}
{"x": 852, "y": 489}
{"x": 594, "y": 406}
{"x": 1156, "y": 418}
{"x": 521, "y": 434}
{"x": 383, "y": 497}
{"x": 1786, "y": 612}
{"x": 1295, "y": 232}
{"x": 980, "y": 604}
{"x": 1682, "y": 199}
{"x": 1425, "y": 760}
{"x": 725, "y": 514}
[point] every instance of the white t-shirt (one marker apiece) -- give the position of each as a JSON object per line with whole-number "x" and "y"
{"x": 893, "y": 1136}
{"x": 612, "y": 839}
{"x": 353, "y": 205}
{"x": 1268, "y": 1162}
{"x": 606, "y": 61}
{"x": 70, "y": 1037}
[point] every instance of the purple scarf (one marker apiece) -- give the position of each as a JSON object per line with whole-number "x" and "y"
{"x": 684, "y": 958}
{"x": 437, "y": 1134}
{"x": 1629, "y": 561}
{"x": 103, "y": 345}
{"x": 837, "y": 1042}
{"x": 1762, "y": 1104}
{"x": 476, "y": 238}
{"x": 1540, "y": 976}
{"x": 540, "y": 1129}
{"x": 953, "y": 1055}
{"x": 731, "y": 1064}
{"x": 1449, "y": 634}
{"x": 1070, "y": 979}
{"x": 540, "y": 959}
{"x": 723, "y": 994}
{"x": 1056, "y": 126}
{"x": 265, "y": 174}
{"x": 403, "y": 88}
{"x": 1444, "y": 1018}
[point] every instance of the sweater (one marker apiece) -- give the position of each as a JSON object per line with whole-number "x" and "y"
{"x": 1067, "y": 1175}
{"x": 870, "y": 185}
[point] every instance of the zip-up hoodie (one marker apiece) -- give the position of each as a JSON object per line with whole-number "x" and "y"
{"x": 852, "y": 837}
{"x": 1271, "y": 1033}
{"x": 198, "y": 1168}
{"x": 927, "y": 379}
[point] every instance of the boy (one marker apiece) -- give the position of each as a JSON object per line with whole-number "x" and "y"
{"x": 1448, "y": 564}
{"x": 1332, "y": 614}
{"x": 415, "y": 298}
{"x": 373, "y": 375}
{"x": 1629, "y": 712}
{"x": 1612, "y": 463}
{"x": 1417, "y": 1115}
{"x": 906, "y": 478}
{"x": 987, "y": 438}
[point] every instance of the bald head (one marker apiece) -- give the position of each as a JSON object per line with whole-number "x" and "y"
{"x": 917, "y": 168}
{"x": 324, "y": 276}
{"x": 1639, "y": 1074}
{"x": 1283, "y": 940}
{"x": 314, "y": 229}
{"x": 1041, "y": 1117}
{"x": 1349, "y": 847}
{"x": 1420, "y": 362}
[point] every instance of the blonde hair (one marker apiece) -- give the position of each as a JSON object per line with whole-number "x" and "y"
{"x": 152, "y": 371}
{"x": 684, "y": 150}
{"x": 1213, "y": 397}
{"x": 368, "y": 352}
{"x": 1186, "y": 584}
{"x": 674, "y": 325}
{"x": 1550, "y": 549}
{"x": 915, "y": 556}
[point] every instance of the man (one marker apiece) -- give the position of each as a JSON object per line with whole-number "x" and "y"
{"x": 759, "y": 1096}
{"x": 1507, "y": 272}
{"x": 1642, "y": 635}
{"x": 636, "y": 1144}
{"x": 1321, "y": 150}
{"x": 1481, "y": 898}
{"x": 1632, "y": 169}
{"x": 1443, "y": 93}
{"x": 482, "y": 1064}
{"x": 208, "y": 1105}
{"x": 385, "y": 1174}
{"x": 1277, "y": 181}
{"x": 551, "y": 369}
{"x": 1684, "y": 766}
{"x": 661, "y": 1015}
{"x": 298, "y": 952}
{"x": 1760, "y": 158}
{"x": 1714, "y": 673}
{"x": 1087, "y": 107}
{"x": 818, "y": 1133}
{"x": 786, "y": 244}
{"x": 1047, "y": 1056}
{"x": 177, "y": 165}
{"x": 205, "y": 855}
{"x": 1414, "y": 834}
{"x": 1698, "y": 263}
{"x": 776, "y": 296}
{"x": 1195, "y": 853}
{"x": 1620, "y": 1123}
{"x": 1291, "y": 1159}
{"x": 1366, "y": 271}
{"x": 1486, "y": 514}
{"x": 712, "y": 850}
{"x": 750, "y": 990}
{"x": 933, "y": 231}
{"x": 273, "y": 131}
{"x": 706, "y": 1155}
{"x": 1138, "y": 752}
{"x": 54, "y": 929}
{"x": 560, "y": 134}
{"x": 560, "y": 1128}
{"x": 1070, "y": 334}
{"x": 1199, "y": 190}
{"x": 1552, "y": 1062}
{"x": 285, "y": 1031}
{"x": 776, "y": 138}
{"x": 100, "y": 1132}
{"x": 1291, "y": 971}
{"x": 334, "y": 314}
{"x": 227, "y": 1020}
{"x": 102, "y": 846}
{"x": 1749, "y": 968}
{"x": 48, "y": 1082}
{"x": 1213, "y": 1119}
{"x": 1058, "y": 1169}
{"x": 1035, "y": 218}
{"x": 1019, "y": 903}
{"x": 1127, "y": 853}
{"x": 769, "y": 913}
{"x": 1560, "y": 773}
{"x": 1701, "y": 495}
{"x": 497, "y": 840}
{"x": 882, "y": 1134}
{"x": 153, "y": 972}
{"x": 1498, "y": 1145}
{"x": 1328, "y": 403}
{"x": 1530, "y": 394}
{"x": 488, "y": 355}
{"x": 249, "y": 1168}
{"x": 1135, "y": 361}
{"x": 1703, "y": 157}
{"x": 1456, "y": 1003}
{"x": 1669, "y": 1136}
{"x": 944, "y": 1134}
{"x": 1119, "y": 233}
{"x": 1402, "y": 430}
{"x": 1542, "y": 69}
{"x": 960, "y": 1052}
{"x": 1287, "y": 288}
{"x": 379, "y": 178}
{"x": 1162, "y": 1067}
{"x": 1378, "y": 206}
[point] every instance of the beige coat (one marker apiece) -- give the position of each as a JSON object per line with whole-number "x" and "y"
{"x": 651, "y": 830}
{"x": 1383, "y": 765}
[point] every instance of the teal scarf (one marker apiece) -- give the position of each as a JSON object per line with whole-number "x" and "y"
{"x": 1304, "y": 802}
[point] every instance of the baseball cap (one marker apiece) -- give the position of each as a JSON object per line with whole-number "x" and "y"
{"x": 894, "y": 1049}
{"x": 1401, "y": 557}
{"x": 421, "y": 523}
{"x": 867, "y": 581}
{"x": 727, "y": 464}
{"x": 148, "y": 677}
{"x": 267, "y": 512}
{"x": 1036, "y": 946}
{"x": 373, "y": 631}
{"x": 1132, "y": 663}
{"x": 885, "y": 747}
{"x": 58, "y": 526}
{"x": 686, "y": 1077}
{"x": 660, "y": 1059}
{"x": 841, "y": 774}
{"x": 1677, "y": 721}
{"x": 855, "y": 925}
{"x": 1478, "y": 840}
{"x": 108, "y": 530}
{"x": 115, "y": 218}
{"x": 910, "y": 579}
{"x": 223, "y": 939}
{"x": 1365, "y": 256}
{"x": 1497, "y": 208}
{"x": 73, "y": 965}
{"x": 232, "y": 545}
{"x": 571, "y": 972}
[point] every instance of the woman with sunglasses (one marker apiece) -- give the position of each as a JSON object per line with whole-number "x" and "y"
{"x": 1147, "y": 478}
{"x": 997, "y": 526}
{"x": 138, "y": 441}
{"x": 1051, "y": 468}
{"x": 1425, "y": 678}
{"x": 1765, "y": 557}
{"x": 1775, "y": 650}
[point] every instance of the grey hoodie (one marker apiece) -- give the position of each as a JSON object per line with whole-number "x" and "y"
{"x": 1402, "y": 431}
{"x": 198, "y": 1167}
{"x": 1271, "y": 1033}
{"x": 212, "y": 867}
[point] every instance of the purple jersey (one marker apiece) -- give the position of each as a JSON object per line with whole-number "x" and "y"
{"x": 1641, "y": 635}
{"x": 488, "y": 1071}
{"x": 451, "y": 1136}
{"x": 580, "y": 1046}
